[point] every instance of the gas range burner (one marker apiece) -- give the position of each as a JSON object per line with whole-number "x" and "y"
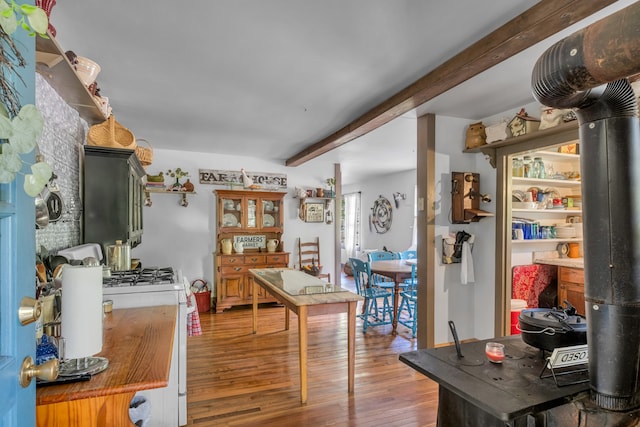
{"x": 146, "y": 276}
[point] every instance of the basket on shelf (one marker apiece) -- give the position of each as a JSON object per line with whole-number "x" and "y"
{"x": 144, "y": 154}
{"x": 111, "y": 134}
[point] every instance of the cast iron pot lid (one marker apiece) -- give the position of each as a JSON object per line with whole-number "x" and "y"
{"x": 560, "y": 320}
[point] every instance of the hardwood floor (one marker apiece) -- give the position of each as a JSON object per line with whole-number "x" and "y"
{"x": 236, "y": 378}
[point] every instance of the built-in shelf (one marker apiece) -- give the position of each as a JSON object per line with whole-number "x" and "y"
{"x": 562, "y": 134}
{"x": 52, "y": 63}
{"x": 549, "y": 211}
{"x": 183, "y": 199}
{"x": 541, "y": 241}
{"x": 545, "y": 182}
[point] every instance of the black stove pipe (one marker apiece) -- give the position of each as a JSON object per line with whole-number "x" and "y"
{"x": 587, "y": 71}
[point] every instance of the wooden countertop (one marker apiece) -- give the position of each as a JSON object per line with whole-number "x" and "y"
{"x": 562, "y": 262}
{"x": 138, "y": 343}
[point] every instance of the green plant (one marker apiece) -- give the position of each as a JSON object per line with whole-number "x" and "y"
{"x": 331, "y": 182}
{"x": 178, "y": 173}
{"x": 20, "y": 127}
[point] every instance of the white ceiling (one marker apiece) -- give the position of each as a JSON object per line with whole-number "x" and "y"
{"x": 267, "y": 78}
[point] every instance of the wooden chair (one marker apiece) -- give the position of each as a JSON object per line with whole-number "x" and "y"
{"x": 408, "y": 299}
{"x": 309, "y": 252}
{"x": 373, "y": 314}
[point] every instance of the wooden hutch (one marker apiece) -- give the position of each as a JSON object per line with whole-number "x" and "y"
{"x": 251, "y": 218}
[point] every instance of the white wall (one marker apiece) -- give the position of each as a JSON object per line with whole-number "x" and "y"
{"x": 399, "y": 236}
{"x": 469, "y": 306}
{"x": 185, "y": 237}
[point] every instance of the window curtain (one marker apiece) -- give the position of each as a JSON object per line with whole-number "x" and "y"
{"x": 351, "y": 224}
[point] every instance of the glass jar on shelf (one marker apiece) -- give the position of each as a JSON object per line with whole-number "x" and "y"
{"x": 527, "y": 167}
{"x": 538, "y": 167}
{"x": 517, "y": 167}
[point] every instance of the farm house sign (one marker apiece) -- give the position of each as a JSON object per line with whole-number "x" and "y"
{"x": 268, "y": 181}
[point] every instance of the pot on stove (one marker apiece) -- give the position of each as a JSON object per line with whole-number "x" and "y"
{"x": 550, "y": 328}
{"x": 119, "y": 256}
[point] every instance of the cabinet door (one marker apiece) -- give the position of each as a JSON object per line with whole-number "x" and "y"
{"x": 262, "y": 294}
{"x": 252, "y": 213}
{"x": 231, "y": 213}
{"x": 232, "y": 285}
{"x": 271, "y": 213}
{"x": 574, "y": 293}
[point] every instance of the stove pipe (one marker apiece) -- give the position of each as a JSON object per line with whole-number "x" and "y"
{"x": 587, "y": 71}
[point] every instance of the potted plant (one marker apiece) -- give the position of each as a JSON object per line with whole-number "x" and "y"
{"x": 20, "y": 126}
{"x": 331, "y": 183}
{"x": 177, "y": 174}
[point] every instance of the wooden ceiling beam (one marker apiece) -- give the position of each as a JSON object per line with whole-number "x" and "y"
{"x": 539, "y": 22}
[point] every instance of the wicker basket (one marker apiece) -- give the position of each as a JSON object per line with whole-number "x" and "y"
{"x": 111, "y": 134}
{"x": 144, "y": 154}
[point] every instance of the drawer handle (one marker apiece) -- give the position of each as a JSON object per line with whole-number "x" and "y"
{"x": 254, "y": 259}
{"x": 237, "y": 268}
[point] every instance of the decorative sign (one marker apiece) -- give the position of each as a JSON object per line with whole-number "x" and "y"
{"x": 267, "y": 181}
{"x": 314, "y": 212}
{"x": 251, "y": 241}
{"x": 568, "y": 356}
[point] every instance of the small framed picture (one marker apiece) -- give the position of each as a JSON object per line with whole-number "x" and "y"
{"x": 314, "y": 212}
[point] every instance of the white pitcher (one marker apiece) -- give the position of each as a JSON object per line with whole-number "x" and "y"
{"x": 272, "y": 245}
{"x": 238, "y": 247}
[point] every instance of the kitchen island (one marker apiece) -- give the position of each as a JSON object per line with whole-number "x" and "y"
{"x": 138, "y": 343}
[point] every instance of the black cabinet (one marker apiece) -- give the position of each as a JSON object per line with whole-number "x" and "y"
{"x": 112, "y": 196}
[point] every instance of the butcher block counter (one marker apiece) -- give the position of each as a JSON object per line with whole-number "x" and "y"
{"x": 137, "y": 342}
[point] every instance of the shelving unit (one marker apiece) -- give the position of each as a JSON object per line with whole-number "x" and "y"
{"x": 183, "y": 199}
{"x": 52, "y": 63}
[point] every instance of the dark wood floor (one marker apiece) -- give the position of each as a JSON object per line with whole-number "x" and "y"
{"x": 236, "y": 378}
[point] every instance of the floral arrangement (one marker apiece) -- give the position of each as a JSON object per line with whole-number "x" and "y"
{"x": 177, "y": 174}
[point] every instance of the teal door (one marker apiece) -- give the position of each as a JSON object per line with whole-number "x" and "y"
{"x": 17, "y": 273}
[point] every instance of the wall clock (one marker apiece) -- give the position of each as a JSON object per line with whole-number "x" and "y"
{"x": 381, "y": 215}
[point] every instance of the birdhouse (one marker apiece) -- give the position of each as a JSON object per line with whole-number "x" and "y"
{"x": 523, "y": 124}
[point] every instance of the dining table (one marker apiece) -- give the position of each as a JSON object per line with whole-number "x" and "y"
{"x": 397, "y": 270}
{"x": 307, "y": 296}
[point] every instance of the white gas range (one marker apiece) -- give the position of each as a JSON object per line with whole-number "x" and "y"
{"x": 149, "y": 287}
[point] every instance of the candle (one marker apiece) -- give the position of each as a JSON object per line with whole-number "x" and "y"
{"x": 494, "y": 352}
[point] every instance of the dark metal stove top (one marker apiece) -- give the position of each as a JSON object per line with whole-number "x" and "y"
{"x": 506, "y": 391}
{"x": 141, "y": 277}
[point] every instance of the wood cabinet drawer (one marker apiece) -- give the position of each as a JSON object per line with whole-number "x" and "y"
{"x": 254, "y": 259}
{"x": 279, "y": 259}
{"x": 232, "y": 260}
{"x": 238, "y": 269}
{"x": 575, "y": 275}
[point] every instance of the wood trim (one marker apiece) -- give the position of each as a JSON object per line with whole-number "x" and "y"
{"x": 539, "y": 22}
{"x": 425, "y": 179}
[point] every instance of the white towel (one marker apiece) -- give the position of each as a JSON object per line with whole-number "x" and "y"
{"x": 466, "y": 272}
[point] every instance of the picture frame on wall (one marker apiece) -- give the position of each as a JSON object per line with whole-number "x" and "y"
{"x": 314, "y": 212}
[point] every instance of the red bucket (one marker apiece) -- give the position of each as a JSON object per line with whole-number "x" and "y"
{"x": 203, "y": 299}
{"x": 203, "y": 295}
{"x": 516, "y": 307}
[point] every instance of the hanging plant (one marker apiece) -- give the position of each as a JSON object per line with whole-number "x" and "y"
{"x": 20, "y": 127}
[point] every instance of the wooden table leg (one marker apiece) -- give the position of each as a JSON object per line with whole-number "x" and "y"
{"x": 302, "y": 344}
{"x": 351, "y": 343}
{"x": 396, "y": 298}
{"x": 256, "y": 288}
